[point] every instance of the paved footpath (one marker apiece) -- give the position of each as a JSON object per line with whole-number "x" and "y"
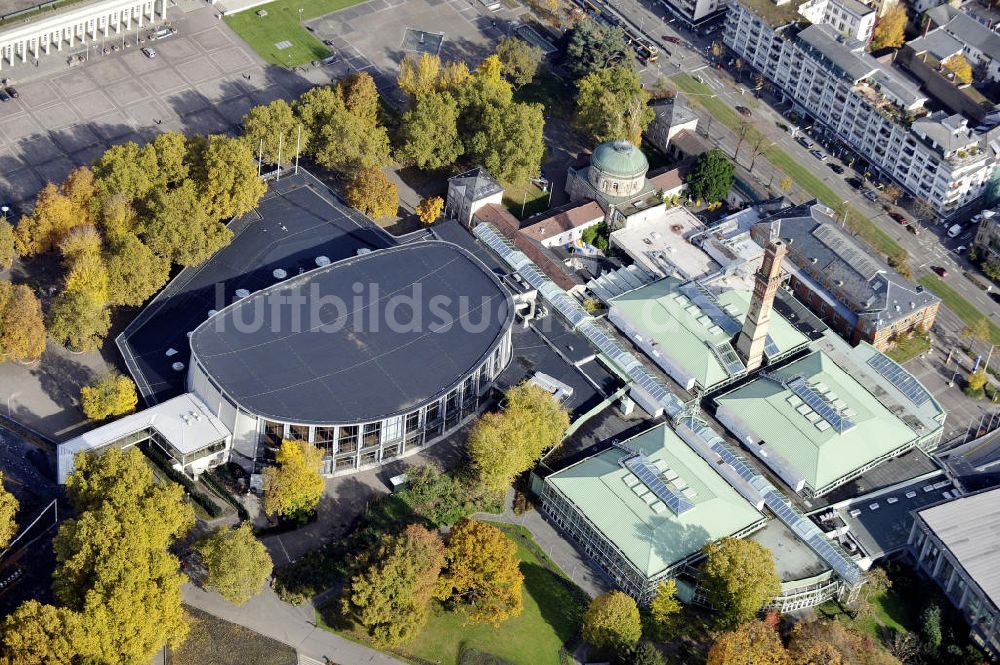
{"x": 292, "y": 625}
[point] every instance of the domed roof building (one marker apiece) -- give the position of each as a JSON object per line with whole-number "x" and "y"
{"x": 615, "y": 178}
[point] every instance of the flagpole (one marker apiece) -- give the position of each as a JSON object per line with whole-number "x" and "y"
{"x": 298, "y": 139}
{"x": 278, "y": 177}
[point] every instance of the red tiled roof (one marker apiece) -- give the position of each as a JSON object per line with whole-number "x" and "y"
{"x": 668, "y": 180}
{"x": 564, "y": 220}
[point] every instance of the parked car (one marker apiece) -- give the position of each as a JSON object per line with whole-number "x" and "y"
{"x": 899, "y": 218}
{"x": 995, "y": 296}
{"x": 960, "y": 249}
{"x": 12, "y": 91}
{"x": 939, "y": 271}
{"x": 913, "y": 228}
{"x": 149, "y": 52}
{"x": 804, "y": 142}
{"x": 818, "y": 154}
{"x": 856, "y": 183}
{"x": 672, "y": 39}
{"x": 836, "y": 168}
{"x": 954, "y": 231}
{"x": 744, "y": 111}
{"x": 4, "y": 97}
{"x": 870, "y": 195}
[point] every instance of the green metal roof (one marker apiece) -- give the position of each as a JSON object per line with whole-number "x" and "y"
{"x": 655, "y": 540}
{"x": 684, "y": 332}
{"x": 619, "y": 158}
{"x": 776, "y": 416}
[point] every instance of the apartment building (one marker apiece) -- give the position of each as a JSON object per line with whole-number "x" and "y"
{"x": 848, "y": 17}
{"x": 872, "y": 108}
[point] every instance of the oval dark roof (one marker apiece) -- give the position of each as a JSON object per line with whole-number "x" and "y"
{"x": 359, "y": 340}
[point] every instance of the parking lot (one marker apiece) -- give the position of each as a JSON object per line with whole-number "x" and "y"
{"x": 202, "y": 80}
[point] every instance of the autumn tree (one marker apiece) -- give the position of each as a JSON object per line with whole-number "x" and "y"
{"x": 37, "y": 634}
{"x": 711, "y": 177}
{"x": 294, "y": 486}
{"x": 482, "y": 573}
{"x": 889, "y": 31}
{"x": 592, "y": 45}
{"x": 507, "y": 443}
{"x": 977, "y": 331}
{"x": 520, "y": 60}
{"x": 612, "y": 104}
{"x": 112, "y": 395}
{"x": 612, "y": 622}
{"x": 391, "y": 594}
{"x": 510, "y": 144}
{"x": 125, "y": 169}
{"x": 960, "y": 68}
{"x": 172, "y": 159}
{"x": 428, "y": 133}
{"x": 180, "y": 228}
{"x": 419, "y": 76}
{"x": 8, "y": 245}
{"x": 785, "y": 184}
{"x": 22, "y": 327}
{"x": 135, "y": 271}
{"x": 8, "y": 515}
{"x": 373, "y": 193}
{"x": 754, "y": 643}
{"x": 131, "y": 609}
{"x": 79, "y": 320}
{"x": 739, "y": 579}
{"x": 429, "y": 209}
{"x": 892, "y": 193}
{"x": 54, "y": 214}
{"x": 341, "y": 140}
{"x": 268, "y": 128}
{"x": 238, "y": 564}
{"x": 225, "y": 173}
{"x": 832, "y": 642}
{"x": 663, "y": 610}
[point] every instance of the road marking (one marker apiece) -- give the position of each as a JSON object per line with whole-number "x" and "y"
{"x": 699, "y": 69}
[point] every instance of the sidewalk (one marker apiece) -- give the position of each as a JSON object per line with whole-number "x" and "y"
{"x": 295, "y": 626}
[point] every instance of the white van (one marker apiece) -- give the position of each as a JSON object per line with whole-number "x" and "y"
{"x": 955, "y": 230}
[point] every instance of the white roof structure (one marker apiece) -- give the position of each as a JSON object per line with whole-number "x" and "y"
{"x": 184, "y": 422}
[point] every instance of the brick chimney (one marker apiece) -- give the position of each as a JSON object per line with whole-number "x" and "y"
{"x": 750, "y": 345}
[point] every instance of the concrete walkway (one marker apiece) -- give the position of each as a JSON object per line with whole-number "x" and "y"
{"x": 294, "y": 626}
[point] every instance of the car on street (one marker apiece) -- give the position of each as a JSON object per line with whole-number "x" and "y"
{"x": 818, "y": 154}
{"x": 939, "y": 271}
{"x": 913, "y": 228}
{"x": 12, "y": 91}
{"x": 870, "y": 195}
{"x": 836, "y": 168}
{"x": 4, "y": 97}
{"x": 899, "y": 218}
{"x": 856, "y": 183}
{"x": 804, "y": 142}
{"x": 954, "y": 231}
{"x": 672, "y": 39}
{"x": 958, "y": 250}
{"x": 149, "y": 52}
{"x": 995, "y": 296}
{"x": 744, "y": 111}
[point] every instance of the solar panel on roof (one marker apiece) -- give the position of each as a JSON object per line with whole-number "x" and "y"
{"x": 646, "y": 472}
{"x": 799, "y": 386}
{"x": 707, "y": 304}
{"x": 900, "y": 378}
{"x": 728, "y": 358}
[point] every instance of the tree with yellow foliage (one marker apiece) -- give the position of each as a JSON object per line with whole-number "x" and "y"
{"x": 739, "y": 579}
{"x": 754, "y": 643}
{"x": 22, "y": 327}
{"x": 960, "y": 67}
{"x": 373, "y": 193}
{"x": 429, "y": 209}
{"x": 663, "y": 610}
{"x": 112, "y": 395}
{"x": 238, "y": 564}
{"x": 8, "y": 245}
{"x": 889, "y": 31}
{"x": 294, "y": 486}
{"x": 8, "y": 515}
{"x": 419, "y": 76}
{"x": 482, "y": 573}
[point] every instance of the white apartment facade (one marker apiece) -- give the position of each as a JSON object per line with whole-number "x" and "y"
{"x": 82, "y": 23}
{"x": 870, "y": 107}
{"x": 848, "y": 17}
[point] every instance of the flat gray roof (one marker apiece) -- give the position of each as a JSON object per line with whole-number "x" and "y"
{"x": 970, "y": 528}
{"x": 373, "y": 338}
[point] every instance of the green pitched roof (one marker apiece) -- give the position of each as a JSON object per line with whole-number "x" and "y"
{"x": 684, "y": 333}
{"x": 652, "y": 537}
{"x": 818, "y": 453}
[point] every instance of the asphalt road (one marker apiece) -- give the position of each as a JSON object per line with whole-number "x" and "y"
{"x": 930, "y": 248}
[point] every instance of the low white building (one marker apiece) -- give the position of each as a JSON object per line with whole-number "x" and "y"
{"x": 848, "y": 17}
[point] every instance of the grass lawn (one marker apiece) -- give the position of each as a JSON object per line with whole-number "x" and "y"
{"x": 283, "y": 23}
{"x": 554, "y": 93}
{"x": 952, "y": 299}
{"x": 911, "y": 347}
{"x": 528, "y": 197}
{"x": 213, "y": 641}
{"x": 702, "y": 95}
{"x": 553, "y": 607}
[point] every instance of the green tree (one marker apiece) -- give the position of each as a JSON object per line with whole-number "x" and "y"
{"x": 371, "y": 192}
{"x": 37, "y": 634}
{"x": 505, "y": 444}
{"x": 930, "y": 626}
{"x": 510, "y": 144}
{"x": 482, "y": 572}
{"x": 739, "y": 579}
{"x": 294, "y": 486}
{"x": 361, "y": 96}
{"x": 391, "y": 594}
{"x": 238, "y": 564}
{"x": 8, "y": 245}
{"x": 428, "y": 132}
{"x": 117, "y": 217}
{"x": 711, "y": 177}
{"x": 112, "y": 395}
{"x": 125, "y": 169}
{"x": 8, "y": 515}
{"x": 429, "y": 209}
{"x": 889, "y": 31}
{"x": 591, "y": 46}
{"x": 225, "y": 173}
{"x": 171, "y": 150}
{"x": 612, "y": 104}
{"x": 646, "y": 653}
{"x": 341, "y": 140}
{"x": 179, "y": 227}
{"x": 114, "y": 566}
{"x": 270, "y": 127}
{"x": 520, "y": 60}
{"x": 135, "y": 271}
{"x": 663, "y": 610}
{"x": 612, "y": 622}
{"x": 79, "y": 320}
{"x": 22, "y": 328}
{"x": 753, "y": 643}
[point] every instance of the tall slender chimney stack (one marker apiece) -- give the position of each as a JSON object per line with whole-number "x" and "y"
{"x": 750, "y": 345}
